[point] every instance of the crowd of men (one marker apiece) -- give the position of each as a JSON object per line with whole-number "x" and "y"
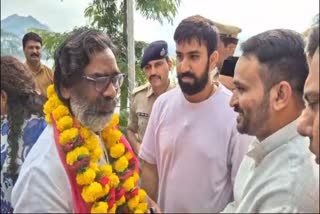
{"x": 236, "y": 135}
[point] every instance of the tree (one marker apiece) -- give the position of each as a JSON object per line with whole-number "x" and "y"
{"x": 110, "y": 15}
{"x": 50, "y": 40}
{"x": 11, "y": 45}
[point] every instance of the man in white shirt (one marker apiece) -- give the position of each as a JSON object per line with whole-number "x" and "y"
{"x": 278, "y": 173}
{"x": 309, "y": 119}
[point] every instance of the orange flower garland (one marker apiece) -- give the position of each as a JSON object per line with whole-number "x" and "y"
{"x": 110, "y": 187}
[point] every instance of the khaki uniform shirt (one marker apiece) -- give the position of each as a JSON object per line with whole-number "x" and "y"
{"x": 142, "y": 102}
{"x": 43, "y": 78}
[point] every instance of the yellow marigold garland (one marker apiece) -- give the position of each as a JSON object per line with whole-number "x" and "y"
{"x": 83, "y": 151}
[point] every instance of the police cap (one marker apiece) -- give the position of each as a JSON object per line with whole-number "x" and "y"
{"x": 155, "y": 50}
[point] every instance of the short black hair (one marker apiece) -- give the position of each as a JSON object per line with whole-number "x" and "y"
{"x": 200, "y": 28}
{"x": 31, "y": 36}
{"x": 73, "y": 55}
{"x": 281, "y": 53}
{"x": 313, "y": 41}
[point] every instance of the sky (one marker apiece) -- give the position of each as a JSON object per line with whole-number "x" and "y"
{"x": 252, "y": 16}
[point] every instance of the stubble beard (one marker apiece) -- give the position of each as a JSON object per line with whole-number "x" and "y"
{"x": 88, "y": 118}
{"x": 251, "y": 124}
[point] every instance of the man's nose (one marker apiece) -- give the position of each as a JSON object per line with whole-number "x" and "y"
{"x": 153, "y": 70}
{"x": 110, "y": 91}
{"x": 234, "y": 100}
{"x": 304, "y": 125}
{"x": 184, "y": 65}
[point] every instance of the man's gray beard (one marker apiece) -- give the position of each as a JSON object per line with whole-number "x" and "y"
{"x": 81, "y": 111}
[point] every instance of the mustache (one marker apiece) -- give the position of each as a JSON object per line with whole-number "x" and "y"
{"x": 103, "y": 101}
{"x": 35, "y": 54}
{"x": 238, "y": 109}
{"x": 154, "y": 76}
{"x": 186, "y": 74}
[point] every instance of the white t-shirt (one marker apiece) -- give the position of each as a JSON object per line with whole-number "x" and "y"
{"x": 197, "y": 150}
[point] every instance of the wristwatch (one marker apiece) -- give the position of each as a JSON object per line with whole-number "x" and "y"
{"x": 152, "y": 210}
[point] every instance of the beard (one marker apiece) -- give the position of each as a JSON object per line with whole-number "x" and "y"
{"x": 198, "y": 83}
{"x": 250, "y": 122}
{"x": 93, "y": 115}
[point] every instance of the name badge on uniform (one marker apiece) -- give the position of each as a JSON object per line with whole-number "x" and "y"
{"x": 141, "y": 114}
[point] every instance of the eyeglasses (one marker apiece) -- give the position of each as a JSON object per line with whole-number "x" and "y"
{"x": 102, "y": 83}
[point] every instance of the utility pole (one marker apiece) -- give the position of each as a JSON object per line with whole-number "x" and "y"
{"x": 130, "y": 48}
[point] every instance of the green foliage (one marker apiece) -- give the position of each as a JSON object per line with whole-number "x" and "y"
{"x": 97, "y": 12}
{"x": 123, "y": 117}
{"x": 50, "y": 40}
{"x": 158, "y": 9}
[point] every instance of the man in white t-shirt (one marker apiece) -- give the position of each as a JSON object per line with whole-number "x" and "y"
{"x": 191, "y": 148}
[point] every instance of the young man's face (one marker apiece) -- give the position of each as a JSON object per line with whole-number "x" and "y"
{"x": 192, "y": 66}
{"x": 309, "y": 120}
{"x": 33, "y": 51}
{"x": 249, "y": 98}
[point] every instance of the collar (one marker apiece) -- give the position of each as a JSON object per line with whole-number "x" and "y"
{"x": 35, "y": 72}
{"x": 150, "y": 91}
{"x": 258, "y": 150}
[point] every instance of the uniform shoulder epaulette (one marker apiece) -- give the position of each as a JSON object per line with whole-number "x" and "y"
{"x": 140, "y": 88}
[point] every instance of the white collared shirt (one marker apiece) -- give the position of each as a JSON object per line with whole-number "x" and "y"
{"x": 278, "y": 175}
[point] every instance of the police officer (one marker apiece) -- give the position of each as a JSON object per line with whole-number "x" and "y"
{"x": 156, "y": 65}
{"x": 226, "y": 47}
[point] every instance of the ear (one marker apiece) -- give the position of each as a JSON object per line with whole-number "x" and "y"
{"x": 213, "y": 59}
{"x": 65, "y": 92}
{"x": 170, "y": 63}
{"x": 280, "y": 96}
{"x": 4, "y": 98}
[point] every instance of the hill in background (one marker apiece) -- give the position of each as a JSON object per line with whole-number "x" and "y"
{"x": 19, "y": 25}
{"x": 12, "y": 30}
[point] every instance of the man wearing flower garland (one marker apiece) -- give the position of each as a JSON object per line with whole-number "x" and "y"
{"x": 81, "y": 162}
{"x": 191, "y": 148}
{"x": 278, "y": 174}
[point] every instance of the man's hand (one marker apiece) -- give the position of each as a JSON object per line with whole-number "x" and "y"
{"x": 149, "y": 179}
{"x": 135, "y": 144}
{"x": 153, "y": 205}
{"x": 136, "y": 147}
